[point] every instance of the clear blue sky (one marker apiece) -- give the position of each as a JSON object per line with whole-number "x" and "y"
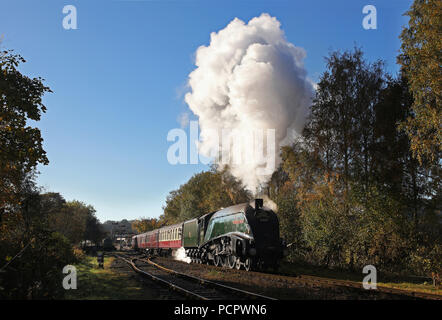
{"x": 118, "y": 81}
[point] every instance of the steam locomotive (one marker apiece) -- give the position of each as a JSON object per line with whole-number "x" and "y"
{"x": 240, "y": 236}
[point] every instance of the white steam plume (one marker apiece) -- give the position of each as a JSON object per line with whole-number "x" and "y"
{"x": 249, "y": 77}
{"x": 180, "y": 255}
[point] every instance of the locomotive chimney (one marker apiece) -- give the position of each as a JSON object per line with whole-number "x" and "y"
{"x": 258, "y": 203}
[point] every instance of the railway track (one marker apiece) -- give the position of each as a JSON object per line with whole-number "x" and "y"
{"x": 154, "y": 290}
{"x": 187, "y": 285}
{"x": 226, "y": 292}
{"x": 315, "y": 282}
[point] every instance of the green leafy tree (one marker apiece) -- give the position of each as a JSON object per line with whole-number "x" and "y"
{"x": 32, "y": 256}
{"x": 20, "y": 144}
{"x": 144, "y": 225}
{"x": 340, "y": 127}
{"x": 349, "y": 192}
{"x": 205, "y": 192}
{"x": 421, "y": 60}
{"x": 93, "y": 230}
{"x": 76, "y": 221}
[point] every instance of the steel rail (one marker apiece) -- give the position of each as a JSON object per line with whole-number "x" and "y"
{"x": 210, "y": 283}
{"x": 162, "y": 281}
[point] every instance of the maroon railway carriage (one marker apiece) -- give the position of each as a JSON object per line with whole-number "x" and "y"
{"x": 148, "y": 240}
{"x": 162, "y": 240}
{"x": 170, "y": 237}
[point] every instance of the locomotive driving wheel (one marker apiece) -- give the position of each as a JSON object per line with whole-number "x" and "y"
{"x": 231, "y": 261}
{"x": 217, "y": 260}
{"x": 224, "y": 261}
{"x": 247, "y": 264}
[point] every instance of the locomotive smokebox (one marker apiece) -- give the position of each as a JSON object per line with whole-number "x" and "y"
{"x": 259, "y": 203}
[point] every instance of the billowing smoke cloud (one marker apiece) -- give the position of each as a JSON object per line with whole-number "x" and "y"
{"x": 249, "y": 78}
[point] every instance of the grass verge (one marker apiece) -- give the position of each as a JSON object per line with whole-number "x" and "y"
{"x": 105, "y": 284}
{"x": 414, "y": 284}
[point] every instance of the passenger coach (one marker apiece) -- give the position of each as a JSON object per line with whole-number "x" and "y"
{"x": 161, "y": 241}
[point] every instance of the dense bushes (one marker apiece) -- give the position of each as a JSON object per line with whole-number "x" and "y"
{"x": 32, "y": 256}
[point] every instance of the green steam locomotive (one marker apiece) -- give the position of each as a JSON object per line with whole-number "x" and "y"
{"x": 240, "y": 236}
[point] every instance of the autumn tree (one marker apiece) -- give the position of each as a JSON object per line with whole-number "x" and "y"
{"x": 421, "y": 60}
{"x": 340, "y": 127}
{"x": 349, "y": 191}
{"x": 76, "y": 221}
{"x": 36, "y": 230}
{"x": 21, "y": 147}
{"x": 93, "y": 230}
{"x": 32, "y": 255}
{"x": 144, "y": 225}
{"x": 35, "y": 272}
{"x": 205, "y": 192}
